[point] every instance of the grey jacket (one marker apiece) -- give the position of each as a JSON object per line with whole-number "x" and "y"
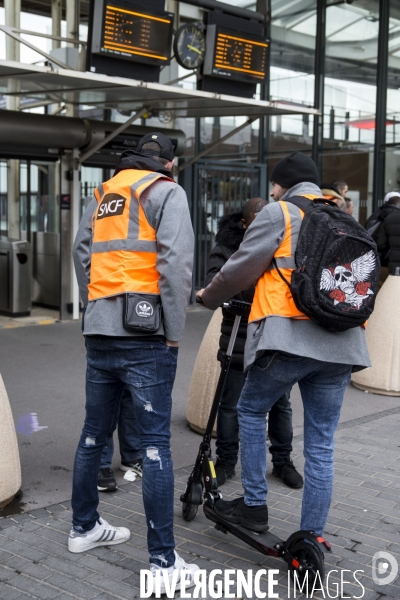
{"x": 299, "y": 337}
{"x": 166, "y": 208}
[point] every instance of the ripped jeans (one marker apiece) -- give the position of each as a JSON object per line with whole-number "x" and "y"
{"x": 147, "y": 369}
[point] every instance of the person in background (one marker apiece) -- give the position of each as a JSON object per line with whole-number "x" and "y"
{"x": 349, "y": 206}
{"x": 231, "y": 230}
{"x": 390, "y": 195}
{"x": 341, "y": 186}
{"x": 331, "y": 193}
{"x": 129, "y": 445}
{"x": 389, "y": 237}
{"x": 374, "y": 222}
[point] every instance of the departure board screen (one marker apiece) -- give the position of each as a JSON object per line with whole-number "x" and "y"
{"x": 138, "y": 34}
{"x": 235, "y": 55}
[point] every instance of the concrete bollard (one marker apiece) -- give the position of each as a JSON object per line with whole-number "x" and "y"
{"x": 205, "y": 376}
{"x": 383, "y": 337}
{"x": 10, "y": 465}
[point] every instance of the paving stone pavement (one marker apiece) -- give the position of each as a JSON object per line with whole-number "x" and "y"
{"x": 364, "y": 519}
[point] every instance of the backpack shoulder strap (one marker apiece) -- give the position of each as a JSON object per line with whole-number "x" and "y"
{"x": 301, "y": 202}
{"x": 306, "y": 205}
{"x": 281, "y": 275}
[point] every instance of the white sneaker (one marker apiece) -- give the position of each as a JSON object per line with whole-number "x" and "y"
{"x": 102, "y": 534}
{"x": 179, "y": 565}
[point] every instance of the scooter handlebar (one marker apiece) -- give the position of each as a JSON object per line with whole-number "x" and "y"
{"x": 235, "y": 307}
{"x": 238, "y": 307}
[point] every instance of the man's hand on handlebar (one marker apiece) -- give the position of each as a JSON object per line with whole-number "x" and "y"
{"x": 199, "y": 299}
{"x": 199, "y": 295}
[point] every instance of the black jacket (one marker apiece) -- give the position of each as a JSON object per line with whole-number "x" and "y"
{"x": 377, "y": 219}
{"x": 229, "y": 237}
{"x": 389, "y": 239}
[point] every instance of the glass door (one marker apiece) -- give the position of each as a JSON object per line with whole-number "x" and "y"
{"x": 40, "y": 225}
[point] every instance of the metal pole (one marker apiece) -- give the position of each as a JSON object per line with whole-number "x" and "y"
{"x": 29, "y": 105}
{"x": 72, "y": 14}
{"x": 264, "y": 6}
{"x": 75, "y": 218}
{"x": 72, "y": 7}
{"x": 215, "y": 144}
{"x": 318, "y": 134}
{"x": 378, "y": 188}
{"x": 195, "y": 202}
{"x": 56, "y": 22}
{"x": 12, "y": 19}
{"x": 28, "y": 202}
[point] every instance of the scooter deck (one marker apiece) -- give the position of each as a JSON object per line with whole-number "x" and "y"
{"x": 264, "y": 542}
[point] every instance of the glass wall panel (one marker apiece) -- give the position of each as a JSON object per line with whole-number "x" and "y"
{"x": 23, "y": 188}
{"x": 45, "y": 199}
{"x": 91, "y": 177}
{"x": 350, "y": 98}
{"x": 293, "y": 36}
{"x": 392, "y": 163}
{"x": 293, "y": 33}
{"x": 242, "y": 146}
{"x": 39, "y": 197}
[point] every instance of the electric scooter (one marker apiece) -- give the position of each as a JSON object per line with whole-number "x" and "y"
{"x": 302, "y": 551}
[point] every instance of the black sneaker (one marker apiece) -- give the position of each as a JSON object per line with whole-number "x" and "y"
{"x": 224, "y": 471}
{"x": 236, "y": 511}
{"x": 287, "y": 472}
{"x": 106, "y": 481}
{"x": 135, "y": 466}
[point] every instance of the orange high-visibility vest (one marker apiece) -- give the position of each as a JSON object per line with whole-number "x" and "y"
{"x": 272, "y": 295}
{"x": 124, "y": 247}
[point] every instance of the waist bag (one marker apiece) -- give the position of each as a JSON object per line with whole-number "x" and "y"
{"x": 142, "y": 313}
{"x": 335, "y": 280}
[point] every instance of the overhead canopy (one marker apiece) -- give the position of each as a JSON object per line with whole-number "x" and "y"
{"x": 74, "y": 87}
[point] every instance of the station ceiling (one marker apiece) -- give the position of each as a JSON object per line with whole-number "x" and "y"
{"x": 73, "y": 87}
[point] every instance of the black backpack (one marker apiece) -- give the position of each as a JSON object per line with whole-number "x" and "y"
{"x": 335, "y": 281}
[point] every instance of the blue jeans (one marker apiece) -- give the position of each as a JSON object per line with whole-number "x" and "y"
{"x": 322, "y": 386}
{"x": 147, "y": 369}
{"x": 128, "y": 433}
{"x": 280, "y": 430}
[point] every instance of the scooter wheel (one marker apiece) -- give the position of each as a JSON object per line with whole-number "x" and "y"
{"x": 189, "y": 511}
{"x": 311, "y": 557}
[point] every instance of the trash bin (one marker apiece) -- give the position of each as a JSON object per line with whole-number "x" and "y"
{"x": 15, "y": 277}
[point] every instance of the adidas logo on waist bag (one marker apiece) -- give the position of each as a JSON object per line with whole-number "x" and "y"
{"x": 335, "y": 280}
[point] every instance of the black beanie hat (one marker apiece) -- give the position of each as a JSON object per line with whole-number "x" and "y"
{"x": 293, "y": 169}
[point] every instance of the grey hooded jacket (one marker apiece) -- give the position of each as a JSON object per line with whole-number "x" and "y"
{"x": 299, "y": 337}
{"x": 166, "y": 208}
